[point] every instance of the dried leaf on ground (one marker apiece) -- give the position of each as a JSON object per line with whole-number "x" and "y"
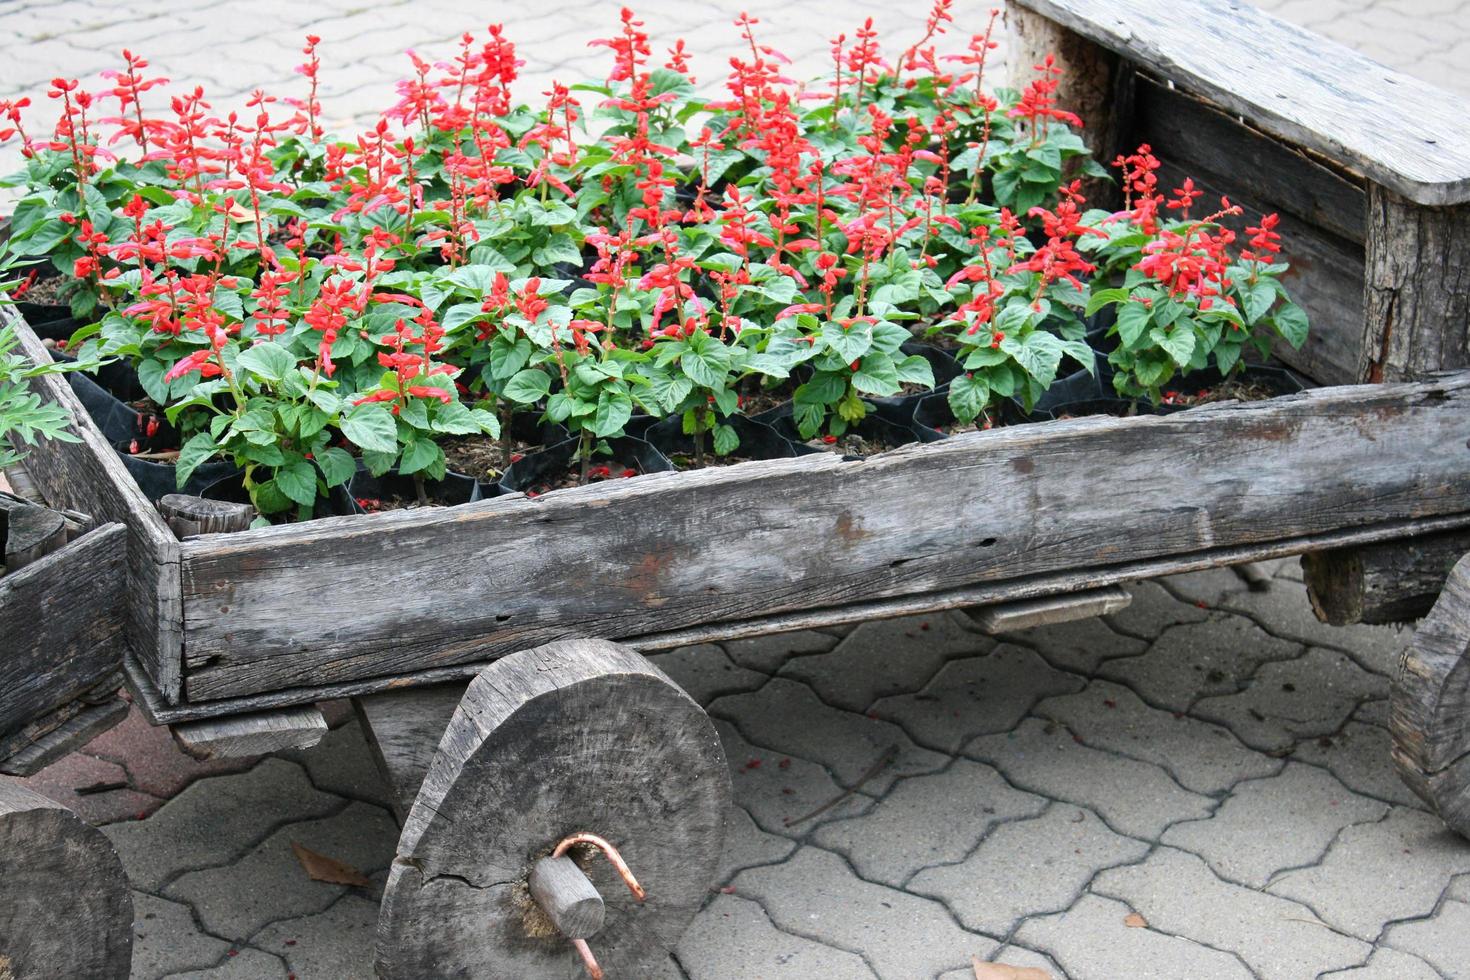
{"x": 319, "y": 867}
{"x": 1135, "y": 921}
{"x": 1004, "y": 971}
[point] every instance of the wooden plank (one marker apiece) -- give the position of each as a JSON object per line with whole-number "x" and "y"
{"x": 1292, "y": 83}
{"x": 89, "y": 721}
{"x": 257, "y": 733}
{"x": 63, "y": 620}
{"x": 159, "y": 712}
{"x": 404, "y": 729}
{"x": 670, "y": 551}
{"x": 1392, "y": 582}
{"x": 90, "y": 477}
{"x": 1007, "y": 617}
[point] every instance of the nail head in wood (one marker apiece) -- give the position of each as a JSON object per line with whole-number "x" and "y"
{"x": 569, "y": 900}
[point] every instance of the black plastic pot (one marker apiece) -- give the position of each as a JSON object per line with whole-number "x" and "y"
{"x": 933, "y": 415}
{"x": 526, "y": 428}
{"x": 1080, "y": 385}
{"x": 899, "y": 409}
{"x": 873, "y": 428}
{"x": 454, "y": 489}
{"x": 757, "y": 441}
{"x": 232, "y": 488}
{"x": 157, "y": 479}
{"x": 1119, "y": 407}
{"x": 1275, "y": 380}
{"x": 530, "y": 473}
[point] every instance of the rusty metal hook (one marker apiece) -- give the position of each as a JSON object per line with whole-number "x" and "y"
{"x": 589, "y": 962}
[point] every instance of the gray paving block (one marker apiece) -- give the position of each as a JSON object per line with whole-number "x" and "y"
{"x": 1078, "y": 646}
{"x": 1373, "y": 712}
{"x": 1153, "y": 610}
{"x": 733, "y": 939}
{"x": 1030, "y": 867}
{"x": 269, "y": 882}
{"x": 1375, "y": 873}
{"x": 791, "y": 719}
{"x": 774, "y": 788}
{"x": 705, "y": 672}
{"x": 342, "y": 763}
{"x": 1308, "y": 697}
{"x": 243, "y": 963}
{"x": 1199, "y": 660}
{"x": 1459, "y": 889}
{"x": 215, "y": 820}
{"x": 1203, "y": 757}
{"x": 1091, "y": 942}
{"x": 1388, "y": 964}
{"x": 1442, "y": 940}
{"x": 1270, "y": 824}
{"x": 767, "y": 653}
{"x": 927, "y": 820}
{"x": 167, "y": 940}
{"x": 746, "y": 846}
{"x": 1289, "y": 613}
{"x": 1359, "y": 756}
{"x": 1279, "y": 939}
{"x": 1011, "y": 955}
{"x": 976, "y": 696}
{"x": 336, "y": 943}
{"x": 1207, "y": 588}
{"x": 815, "y": 894}
{"x": 883, "y": 658}
{"x": 1134, "y": 797}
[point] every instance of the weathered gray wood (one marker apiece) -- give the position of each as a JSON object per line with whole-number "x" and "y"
{"x": 27, "y": 532}
{"x": 404, "y": 728}
{"x": 578, "y": 736}
{"x": 188, "y": 516}
{"x": 257, "y": 733}
{"x": 1007, "y": 617}
{"x": 1430, "y": 705}
{"x": 159, "y": 712}
{"x": 1294, "y": 84}
{"x": 567, "y": 896}
{"x": 1417, "y": 294}
{"x": 25, "y": 754}
{"x": 90, "y": 477}
{"x": 63, "y": 624}
{"x": 670, "y": 551}
{"x": 65, "y": 907}
{"x": 1391, "y": 582}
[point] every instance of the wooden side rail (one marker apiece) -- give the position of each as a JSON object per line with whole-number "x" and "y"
{"x": 1370, "y": 167}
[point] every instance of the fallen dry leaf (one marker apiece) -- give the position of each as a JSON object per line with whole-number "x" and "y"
{"x": 1004, "y": 971}
{"x": 1135, "y": 921}
{"x": 319, "y": 867}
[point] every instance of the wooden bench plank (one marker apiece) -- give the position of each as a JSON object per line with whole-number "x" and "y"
{"x": 1401, "y": 132}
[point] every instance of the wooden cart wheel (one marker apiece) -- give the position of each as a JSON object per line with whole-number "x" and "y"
{"x": 65, "y": 907}
{"x": 1430, "y": 717}
{"x": 580, "y": 736}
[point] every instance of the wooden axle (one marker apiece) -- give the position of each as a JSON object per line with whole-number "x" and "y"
{"x": 568, "y": 898}
{"x": 1387, "y": 582}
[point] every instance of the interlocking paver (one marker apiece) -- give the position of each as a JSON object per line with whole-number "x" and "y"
{"x": 706, "y": 672}
{"x": 269, "y": 882}
{"x": 733, "y": 939}
{"x": 1134, "y": 797}
{"x": 1375, "y": 873}
{"x": 1278, "y": 939}
{"x": 1443, "y": 939}
{"x": 61, "y": 780}
{"x": 1198, "y": 660}
{"x": 166, "y": 939}
{"x": 1027, "y": 868}
{"x": 884, "y": 658}
{"x": 217, "y": 819}
{"x": 767, "y": 653}
{"x": 927, "y": 820}
{"x": 1376, "y": 648}
{"x": 1388, "y": 964}
{"x": 1204, "y": 758}
{"x": 976, "y": 696}
{"x": 1153, "y": 610}
{"x": 815, "y": 894}
{"x": 337, "y": 764}
{"x": 1307, "y": 808}
{"x": 1358, "y": 755}
{"x": 746, "y": 846}
{"x": 775, "y": 788}
{"x": 154, "y": 761}
{"x": 1206, "y": 588}
{"x": 243, "y": 963}
{"x": 1078, "y": 646}
{"x": 336, "y": 943}
{"x": 1091, "y": 942}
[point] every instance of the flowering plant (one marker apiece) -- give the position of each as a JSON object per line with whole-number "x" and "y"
{"x": 23, "y": 415}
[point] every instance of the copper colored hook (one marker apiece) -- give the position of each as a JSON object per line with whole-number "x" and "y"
{"x": 589, "y": 962}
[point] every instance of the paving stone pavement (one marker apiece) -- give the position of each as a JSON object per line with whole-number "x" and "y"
{"x": 1195, "y": 787}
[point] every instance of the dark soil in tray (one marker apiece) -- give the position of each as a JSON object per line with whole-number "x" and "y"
{"x": 756, "y": 400}
{"x": 571, "y": 476}
{"x": 487, "y": 459}
{"x": 868, "y": 442}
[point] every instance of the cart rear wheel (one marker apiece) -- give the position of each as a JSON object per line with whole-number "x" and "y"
{"x": 574, "y": 737}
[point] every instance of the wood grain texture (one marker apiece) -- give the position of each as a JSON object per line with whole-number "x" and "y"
{"x": 404, "y": 728}
{"x": 63, "y": 621}
{"x": 29, "y": 532}
{"x": 187, "y": 516}
{"x": 1392, "y": 582}
{"x": 256, "y": 733}
{"x": 578, "y": 736}
{"x": 62, "y": 732}
{"x": 90, "y": 477}
{"x": 567, "y": 896}
{"x": 1294, "y": 84}
{"x": 1007, "y": 617}
{"x": 669, "y": 552}
{"x": 1417, "y": 294}
{"x": 1429, "y": 714}
{"x": 65, "y": 907}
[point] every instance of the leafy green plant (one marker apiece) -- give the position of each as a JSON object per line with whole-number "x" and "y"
{"x": 23, "y": 415}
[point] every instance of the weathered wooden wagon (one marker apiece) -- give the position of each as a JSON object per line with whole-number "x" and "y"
{"x": 502, "y": 770}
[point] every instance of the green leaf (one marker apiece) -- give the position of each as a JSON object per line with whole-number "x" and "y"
{"x": 420, "y": 455}
{"x": 916, "y": 370}
{"x": 298, "y": 481}
{"x": 1132, "y": 321}
{"x": 876, "y": 375}
{"x": 192, "y": 454}
{"x": 267, "y": 360}
{"x": 848, "y": 343}
{"x": 1291, "y": 323}
{"x": 726, "y": 440}
{"x": 614, "y": 409}
{"x": 1105, "y": 297}
{"x": 528, "y": 386}
{"x": 968, "y": 396}
{"x": 1257, "y": 298}
{"x": 706, "y": 361}
{"x": 337, "y": 465}
{"x": 558, "y": 248}
{"x": 371, "y": 427}
{"x": 1177, "y": 340}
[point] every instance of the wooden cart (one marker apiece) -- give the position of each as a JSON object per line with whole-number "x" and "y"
{"x": 497, "y": 768}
